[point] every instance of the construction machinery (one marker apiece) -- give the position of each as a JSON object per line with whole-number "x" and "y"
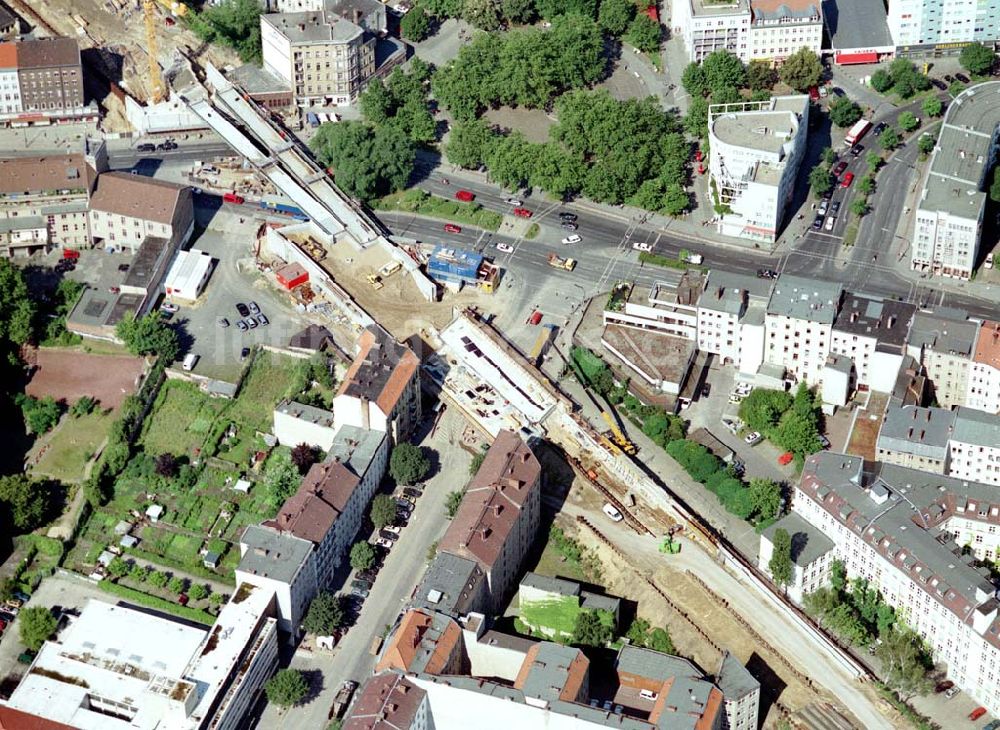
{"x": 617, "y": 436}
{"x": 561, "y": 263}
{"x": 544, "y": 337}
{"x": 669, "y": 546}
{"x": 375, "y": 280}
{"x": 153, "y": 51}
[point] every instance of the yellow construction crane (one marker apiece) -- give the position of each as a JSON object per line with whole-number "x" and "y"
{"x": 152, "y": 50}
{"x": 627, "y": 446}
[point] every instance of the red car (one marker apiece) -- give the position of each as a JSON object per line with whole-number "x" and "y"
{"x": 977, "y": 713}
{"x": 848, "y": 179}
{"x": 182, "y": 599}
{"x": 452, "y": 228}
{"x": 786, "y": 458}
{"x": 465, "y": 196}
{"x": 233, "y": 198}
{"x": 839, "y": 168}
{"x": 523, "y": 213}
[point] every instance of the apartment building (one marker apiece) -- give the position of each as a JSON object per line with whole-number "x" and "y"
{"x": 731, "y": 318}
{"x": 127, "y": 209}
{"x": 917, "y": 438}
{"x": 389, "y": 700}
{"x": 424, "y": 641}
{"x": 943, "y": 340}
{"x": 942, "y": 26}
{"x": 281, "y": 563}
{"x": 708, "y": 26}
{"x": 43, "y": 203}
{"x": 41, "y": 82}
{"x": 740, "y": 693}
{"x": 325, "y": 59}
{"x": 872, "y": 332}
{"x": 798, "y": 325}
{"x": 452, "y": 585}
{"x": 755, "y": 152}
{"x": 497, "y": 520}
{"x": 118, "y": 668}
{"x": 974, "y": 447}
{"x": 903, "y": 530}
{"x": 983, "y": 391}
{"x": 329, "y": 505}
{"x": 298, "y": 423}
{"x": 812, "y": 555}
{"x": 381, "y": 390}
{"x": 779, "y": 28}
{"x": 949, "y": 215}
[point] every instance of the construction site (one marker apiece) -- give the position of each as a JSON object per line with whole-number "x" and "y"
{"x": 118, "y": 41}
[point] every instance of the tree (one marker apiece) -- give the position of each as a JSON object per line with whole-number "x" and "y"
{"x": 844, "y": 112}
{"x": 696, "y": 119}
{"x": 874, "y": 161}
{"x": 304, "y": 456}
{"x": 166, "y": 465}
{"x": 838, "y": 576}
{"x": 828, "y": 156}
{"x": 904, "y": 662}
{"x": 676, "y": 200}
{"x": 518, "y": 12}
{"x": 908, "y": 121}
{"x": 867, "y": 185}
{"x": 138, "y": 573}
{"x": 37, "y": 624}
{"x": 801, "y": 70}
{"x": 83, "y": 406}
{"x": 482, "y": 14}
{"x": 158, "y": 579}
{"x": 286, "y": 688}
{"x": 149, "y": 335}
{"x": 889, "y": 139}
{"x": 976, "y": 59}
{"x": 216, "y": 599}
{"x": 377, "y": 103}
{"x": 796, "y": 432}
{"x": 469, "y": 144}
{"x": 325, "y": 614}
{"x": 723, "y": 70}
{"x": 591, "y": 630}
{"x": 765, "y": 496}
{"x": 41, "y": 414}
{"x": 235, "y": 23}
{"x": 556, "y": 170}
{"x": 761, "y": 76}
{"x": 780, "y": 564}
{"x": 281, "y": 480}
{"x": 408, "y": 463}
{"x": 383, "y": 510}
{"x": 477, "y": 461}
{"x": 25, "y": 501}
{"x": 442, "y": 8}
{"x": 762, "y": 409}
{"x": 118, "y": 568}
{"x": 644, "y": 33}
{"x": 693, "y": 80}
{"x": 17, "y": 308}
{"x": 859, "y": 206}
{"x": 659, "y": 640}
{"x": 415, "y": 25}
{"x": 511, "y": 161}
{"x": 551, "y": 9}
{"x": 176, "y": 584}
{"x": 638, "y": 632}
{"x": 362, "y": 555}
{"x": 926, "y": 143}
{"x": 881, "y": 81}
{"x": 820, "y": 180}
{"x": 932, "y": 106}
{"x": 452, "y": 502}
{"x": 366, "y": 162}
{"x": 198, "y": 592}
{"x": 614, "y": 16}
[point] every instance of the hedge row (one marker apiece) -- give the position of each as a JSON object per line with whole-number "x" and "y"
{"x": 160, "y": 604}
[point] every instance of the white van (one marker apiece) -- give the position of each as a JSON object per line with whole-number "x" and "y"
{"x": 829, "y": 223}
{"x": 613, "y": 513}
{"x": 190, "y": 360}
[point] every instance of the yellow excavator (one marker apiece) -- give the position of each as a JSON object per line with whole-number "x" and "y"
{"x": 617, "y": 436}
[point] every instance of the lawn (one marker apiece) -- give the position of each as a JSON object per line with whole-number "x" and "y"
{"x": 180, "y": 419}
{"x": 72, "y": 445}
{"x": 419, "y": 202}
{"x": 553, "y": 564}
{"x": 557, "y": 614}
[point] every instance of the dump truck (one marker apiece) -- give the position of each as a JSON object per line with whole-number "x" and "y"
{"x": 562, "y": 263}
{"x": 343, "y": 698}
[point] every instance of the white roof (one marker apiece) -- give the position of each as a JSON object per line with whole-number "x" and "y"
{"x": 242, "y": 485}
{"x": 154, "y": 510}
{"x": 188, "y": 269}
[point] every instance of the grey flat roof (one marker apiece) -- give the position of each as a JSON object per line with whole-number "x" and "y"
{"x": 726, "y": 291}
{"x": 734, "y": 679}
{"x": 271, "y": 554}
{"x": 915, "y": 430}
{"x": 257, "y": 80}
{"x": 856, "y": 25}
{"x": 313, "y": 27}
{"x": 355, "y": 448}
{"x": 840, "y": 363}
{"x": 456, "y": 579}
{"x": 552, "y": 585}
{"x": 305, "y": 412}
{"x": 703, "y": 8}
{"x": 767, "y": 131}
{"x": 977, "y": 427}
{"x": 143, "y": 268}
{"x": 808, "y": 542}
{"x": 802, "y": 298}
{"x": 549, "y": 672}
{"x": 598, "y": 602}
{"x": 888, "y": 320}
{"x": 944, "y": 330}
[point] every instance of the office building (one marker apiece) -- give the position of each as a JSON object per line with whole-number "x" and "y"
{"x": 942, "y": 27}
{"x": 779, "y": 28}
{"x": 755, "y": 152}
{"x": 708, "y": 26}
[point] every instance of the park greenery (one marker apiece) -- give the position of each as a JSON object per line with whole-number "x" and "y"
{"x": 286, "y": 688}
{"x": 25, "y": 503}
{"x": 325, "y": 614}
{"x": 401, "y": 102}
{"x": 802, "y": 70}
{"x": 416, "y": 25}
{"x": 408, "y": 463}
{"x": 977, "y": 59}
{"x": 721, "y": 78}
{"x": 366, "y": 161}
{"x": 148, "y": 335}
{"x": 792, "y": 423}
{"x": 233, "y": 23}
{"x": 902, "y": 78}
{"x": 642, "y": 635}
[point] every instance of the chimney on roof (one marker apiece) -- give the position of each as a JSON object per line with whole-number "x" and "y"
{"x": 302, "y": 27}
{"x": 854, "y": 316}
{"x": 497, "y": 509}
{"x": 357, "y": 16}
{"x": 485, "y": 532}
{"x": 524, "y": 457}
{"x": 928, "y": 415}
{"x": 909, "y": 434}
{"x": 914, "y": 414}
{"x": 922, "y": 432}
{"x": 404, "y": 688}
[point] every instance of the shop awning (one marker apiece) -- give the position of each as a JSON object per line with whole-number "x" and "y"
{"x": 848, "y": 59}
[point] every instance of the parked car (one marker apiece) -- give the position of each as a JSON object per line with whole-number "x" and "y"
{"x": 251, "y": 322}
{"x": 222, "y": 322}
{"x": 572, "y": 239}
{"x": 452, "y": 228}
{"x": 513, "y": 201}
{"x": 612, "y": 512}
{"x": 146, "y": 147}
{"x": 839, "y": 168}
{"x": 241, "y": 325}
{"x": 767, "y": 274}
{"x": 359, "y": 583}
{"x": 823, "y": 207}
{"x": 977, "y": 713}
{"x": 962, "y": 77}
{"x": 848, "y": 179}
{"x": 360, "y": 593}
{"x": 879, "y": 128}
{"x": 403, "y": 504}
{"x": 14, "y": 602}
{"x": 857, "y": 149}
{"x": 944, "y": 686}
{"x": 949, "y": 78}
{"x": 368, "y": 575}
{"x": 835, "y": 208}
{"x": 394, "y": 529}
{"x": 243, "y": 310}
{"x": 753, "y": 438}
{"x": 386, "y": 535}
{"x": 26, "y": 657}
{"x": 22, "y": 597}
{"x": 412, "y": 492}
{"x": 233, "y": 198}
{"x": 262, "y": 320}
{"x": 939, "y": 84}
{"x": 505, "y": 247}
{"x": 951, "y": 692}
{"x": 6, "y": 616}
{"x": 183, "y": 599}
{"x": 818, "y": 223}
{"x": 523, "y": 213}
{"x": 568, "y": 217}
{"x": 382, "y": 542}
{"x": 830, "y": 221}
{"x": 786, "y": 458}
{"x": 569, "y": 225}
{"x": 170, "y": 307}
{"x": 828, "y": 194}
{"x": 123, "y": 268}
{"x": 254, "y": 309}
{"x": 244, "y": 353}
{"x": 824, "y": 441}
{"x": 992, "y": 725}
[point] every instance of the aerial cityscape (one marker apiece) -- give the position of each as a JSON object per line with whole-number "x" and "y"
{"x": 449, "y": 364}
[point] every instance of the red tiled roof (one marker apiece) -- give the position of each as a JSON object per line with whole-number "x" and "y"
{"x": 311, "y": 512}
{"x": 408, "y": 640}
{"x": 8, "y": 55}
{"x": 11, "y": 719}
{"x": 385, "y": 702}
{"x": 988, "y": 344}
{"x": 493, "y": 501}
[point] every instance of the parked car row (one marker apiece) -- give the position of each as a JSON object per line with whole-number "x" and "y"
{"x": 251, "y": 318}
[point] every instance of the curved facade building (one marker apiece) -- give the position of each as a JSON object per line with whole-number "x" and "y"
{"x": 756, "y": 148}
{"x": 949, "y": 216}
